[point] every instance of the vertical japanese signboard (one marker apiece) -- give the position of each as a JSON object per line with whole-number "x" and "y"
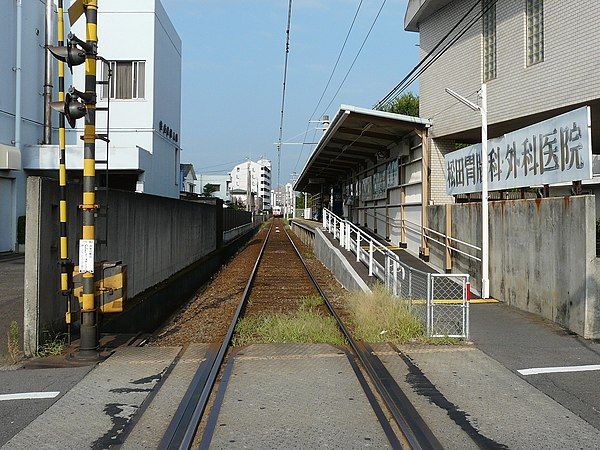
{"x": 366, "y": 188}
{"x": 556, "y": 150}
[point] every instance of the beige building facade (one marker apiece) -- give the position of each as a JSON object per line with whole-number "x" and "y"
{"x": 539, "y": 59}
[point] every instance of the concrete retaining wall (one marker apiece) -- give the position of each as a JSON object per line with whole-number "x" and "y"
{"x": 304, "y": 233}
{"x": 335, "y": 261}
{"x": 155, "y": 237}
{"x": 542, "y": 256}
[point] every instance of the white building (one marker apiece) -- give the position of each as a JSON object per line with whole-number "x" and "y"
{"x": 284, "y": 196}
{"x": 259, "y": 174}
{"x": 145, "y": 106}
{"x": 218, "y": 184}
{"x": 17, "y": 133}
{"x": 188, "y": 179}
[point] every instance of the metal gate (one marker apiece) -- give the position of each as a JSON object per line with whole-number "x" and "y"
{"x": 448, "y": 305}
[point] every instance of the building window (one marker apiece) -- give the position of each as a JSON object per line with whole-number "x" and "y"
{"x": 535, "y": 31}
{"x": 489, "y": 40}
{"x": 128, "y": 80}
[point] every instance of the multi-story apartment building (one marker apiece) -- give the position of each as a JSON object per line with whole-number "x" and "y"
{"x": 284, "y": 196}
{"x": 538, "y": 59}
{"x": 253, "y": 176}
{"x": 144, "y": 51}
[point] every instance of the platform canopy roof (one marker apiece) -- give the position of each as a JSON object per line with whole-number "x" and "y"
{"x": 355, "y": 136}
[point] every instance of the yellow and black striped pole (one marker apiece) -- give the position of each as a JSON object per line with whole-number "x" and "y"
{"x": 65, "y": 266}
{"x": 89, "y": 333}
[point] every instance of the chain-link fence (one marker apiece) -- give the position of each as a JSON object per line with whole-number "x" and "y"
{"x": 439, "y": 301}
{"x": 448, "y": 305}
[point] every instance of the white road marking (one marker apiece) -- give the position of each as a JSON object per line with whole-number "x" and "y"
{"x": 563, "y": 369}
{"x": 28, "y": 395}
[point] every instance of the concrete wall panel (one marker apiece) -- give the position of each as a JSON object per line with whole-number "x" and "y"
{"x": 542, "y": 256}
{"x": 154, "y": 236}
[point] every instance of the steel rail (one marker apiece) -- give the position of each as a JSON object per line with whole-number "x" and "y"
{"x": 411, "y": 424}
{"x": 182, "y": 428}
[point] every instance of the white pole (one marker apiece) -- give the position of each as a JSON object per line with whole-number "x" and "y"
{"x": 294, "y": 204}
{"x": 358, "y": 246}
{"x": 485, "y": 262}
{"x": 348, "y": 236}
{"x": 371, "y": 258}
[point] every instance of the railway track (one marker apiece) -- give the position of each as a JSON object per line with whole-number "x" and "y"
{"x": 264, "y": 292}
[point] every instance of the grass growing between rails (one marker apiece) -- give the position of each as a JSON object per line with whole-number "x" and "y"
{"x": 380, "y": 317}
{"x": 307, "y": 325}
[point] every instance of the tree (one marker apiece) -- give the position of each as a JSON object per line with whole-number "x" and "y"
{"x": 407, "y": 104}
{"x": 209, "y": 189}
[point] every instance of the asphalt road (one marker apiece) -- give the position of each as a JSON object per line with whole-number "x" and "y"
{"x": 12, "y": 269}
{"x": 520, "y": 340}
{"x": 17, "y": 414}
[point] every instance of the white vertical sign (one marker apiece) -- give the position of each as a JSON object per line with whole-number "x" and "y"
{"x": 86, "y": 255}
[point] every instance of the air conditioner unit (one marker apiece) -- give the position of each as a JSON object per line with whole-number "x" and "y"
{"x": 10, "y": 158}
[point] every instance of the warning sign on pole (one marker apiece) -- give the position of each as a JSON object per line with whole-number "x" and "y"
{"x": 86, "y": 255}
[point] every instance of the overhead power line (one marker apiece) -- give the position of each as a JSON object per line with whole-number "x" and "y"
{"x": 355, "y": 58}
{"x": 337, "y": 61}
{"x": 432, "y": 57}
{"x": 285, "y": 68}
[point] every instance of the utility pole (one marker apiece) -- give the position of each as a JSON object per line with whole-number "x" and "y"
{"x": 485, "y": 229}
{"x": 74, "y": 106}
{"x": 248, "y": 189}
{"x": 89, "y": 327}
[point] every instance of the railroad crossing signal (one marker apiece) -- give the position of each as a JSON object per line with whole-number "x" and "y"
{"x": 71, "y": 107}
{"x": 74, "y": 53}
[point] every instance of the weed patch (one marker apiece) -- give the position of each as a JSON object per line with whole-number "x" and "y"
{"x": 12, "y": 343}
{"x": 381, "y": 317}
{"x": 311, "y": 302}
{"x": 53, "y": 345}
{"x": 303, "y": 326}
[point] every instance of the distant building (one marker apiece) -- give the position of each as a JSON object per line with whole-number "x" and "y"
{"x": 188, "y": 178}
{"x": 284, "y": 196}
{"x": 218, "y": 185}
{"x": 255, "y": 177}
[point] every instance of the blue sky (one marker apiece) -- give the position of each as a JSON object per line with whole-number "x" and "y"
{"x": 233, "y": 68}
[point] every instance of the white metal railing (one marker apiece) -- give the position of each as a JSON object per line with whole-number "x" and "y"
{"x": 416, "y": 228}
{"x": 441, "y": 301}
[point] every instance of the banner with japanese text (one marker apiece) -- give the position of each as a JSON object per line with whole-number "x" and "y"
{"x": 556, "y": 150}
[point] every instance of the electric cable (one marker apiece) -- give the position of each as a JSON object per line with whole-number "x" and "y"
{"x": 285, "y": 69}
{"x": 337, "y": 61}
{"x": 356, "y": 57}
{"x": 427, "y": 62}
{"x": 422, "y": 62}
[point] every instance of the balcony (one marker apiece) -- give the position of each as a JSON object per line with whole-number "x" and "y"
{"x": 46, "y": 157}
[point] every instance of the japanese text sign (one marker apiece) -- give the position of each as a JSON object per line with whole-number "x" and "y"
{"x": 556, "y": 150}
